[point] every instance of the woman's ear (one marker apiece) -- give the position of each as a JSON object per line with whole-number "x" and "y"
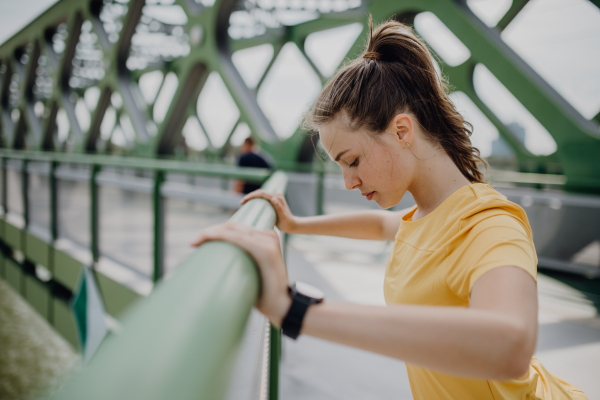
{"x": 402, "y": 125}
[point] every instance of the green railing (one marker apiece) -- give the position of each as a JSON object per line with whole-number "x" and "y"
{"x": 96, "y": 163}
{"x": 181, "y": 340}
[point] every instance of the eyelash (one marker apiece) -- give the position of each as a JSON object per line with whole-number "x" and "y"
{"x": 354, "y": 163}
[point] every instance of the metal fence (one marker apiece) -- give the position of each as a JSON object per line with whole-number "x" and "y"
{"x": 53, "y": 210}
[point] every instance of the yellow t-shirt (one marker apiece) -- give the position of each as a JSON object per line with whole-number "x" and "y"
{"x": 436, "y": 261}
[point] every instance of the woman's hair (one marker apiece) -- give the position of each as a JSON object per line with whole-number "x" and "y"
{"x": 395, "y": 75}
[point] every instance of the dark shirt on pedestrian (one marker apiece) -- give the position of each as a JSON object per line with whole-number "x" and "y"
{"x": 252, "y": 160}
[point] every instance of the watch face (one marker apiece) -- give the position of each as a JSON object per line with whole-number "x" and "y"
{"x": 309, "y": 291}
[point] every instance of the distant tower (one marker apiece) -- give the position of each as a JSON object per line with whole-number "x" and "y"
{"x": 501, "y": 149}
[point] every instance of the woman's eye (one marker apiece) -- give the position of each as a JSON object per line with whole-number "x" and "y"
{"x": 354, "y": 163}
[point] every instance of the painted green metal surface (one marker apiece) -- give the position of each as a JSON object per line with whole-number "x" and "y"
{"x": 158, "y": 216}
{"x": 188, "y": 167}
{"x": 117, "y": 297}
{"x": 13, "y": 236}
{"x": 36, "y": 250}
{"x": 320, "y": 192}
{"x": 108, "y": 29}
{"x": 25, "y": 191}
{"x": 274, "y": 360}
{"x": 38, "y": 295}
{"x": 14, "y": 275}
{"x": 63, "y": 322}
{"x": 94, "y": 214}
{"x": 181, "y": 341}
{"x": 53, "y": 201}
{"x": 4, "y": 194}
{"x": 65, "y": 269}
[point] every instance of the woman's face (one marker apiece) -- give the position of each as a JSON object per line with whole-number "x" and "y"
{"x": 379, "y": 166}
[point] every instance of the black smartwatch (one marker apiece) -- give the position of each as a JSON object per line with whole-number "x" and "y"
{"x": 303, "y": 295}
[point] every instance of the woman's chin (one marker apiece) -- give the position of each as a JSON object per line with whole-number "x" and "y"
{"x": 386, "y": 203}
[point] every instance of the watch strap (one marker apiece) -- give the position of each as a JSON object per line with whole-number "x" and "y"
{"x": 292, "y": 323}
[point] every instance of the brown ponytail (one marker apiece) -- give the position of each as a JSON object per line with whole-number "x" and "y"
{"x": 396, "y": 74}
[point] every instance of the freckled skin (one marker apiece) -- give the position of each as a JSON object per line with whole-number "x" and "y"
{"x": 378, "y": 168}
{"x": 383, "y": 163}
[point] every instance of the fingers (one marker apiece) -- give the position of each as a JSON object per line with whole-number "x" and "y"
{"x": 256, "y": 194}
{"x": 231, "y": 232}
{"x": 277, "y": 202}
{"x": 264, "y": 248}
{"x": 204, "y": 237}
{"x": 261, "y": 194}
{"x": 213, "y": 233}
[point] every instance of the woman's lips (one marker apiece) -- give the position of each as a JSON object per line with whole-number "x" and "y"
{"x": 369, "y": 195}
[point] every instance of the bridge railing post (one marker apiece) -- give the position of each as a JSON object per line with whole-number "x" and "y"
{"x": 94, "y": 214}
{"x": 4, "y": 186}
{"x": 159, "y": 225}
{"x": 274, "y": 358}
{"x": 53, "y": 187}
{"x": 25, "y": 192}
{"x": 320, "y": 191}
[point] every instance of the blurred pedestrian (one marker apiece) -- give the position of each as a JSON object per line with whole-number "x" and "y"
{"x": 250, "y": 157}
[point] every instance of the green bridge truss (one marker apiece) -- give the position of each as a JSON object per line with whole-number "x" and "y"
{"x": 88, "y": 57}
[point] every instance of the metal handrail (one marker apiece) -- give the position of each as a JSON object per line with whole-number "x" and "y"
{"x": 181, "y": 341}
{"x": 528, "y": 178}
{"x": 168, "y": 166}
{"x": 159, "y": 166}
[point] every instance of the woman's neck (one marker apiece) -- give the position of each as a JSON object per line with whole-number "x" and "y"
{"x": 437, "y": 178}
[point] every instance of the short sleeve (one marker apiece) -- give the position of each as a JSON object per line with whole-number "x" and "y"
{"x": 253, "y": 160}
{"x": 497, "y": 241}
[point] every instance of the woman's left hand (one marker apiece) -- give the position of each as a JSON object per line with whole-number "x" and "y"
{"x": 264, "y": 248}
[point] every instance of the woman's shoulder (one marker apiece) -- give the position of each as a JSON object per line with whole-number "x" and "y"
{"x": 487, "y": 207}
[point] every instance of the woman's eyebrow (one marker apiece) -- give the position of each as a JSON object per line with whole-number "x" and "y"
{"x": 341, "y": 153}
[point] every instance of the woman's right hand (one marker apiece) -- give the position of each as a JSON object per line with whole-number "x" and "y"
{"x": 286, "y": 221}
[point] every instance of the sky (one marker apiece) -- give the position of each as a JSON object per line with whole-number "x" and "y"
{"x": 15, "y": 14}
{"x": 560, "y": 39}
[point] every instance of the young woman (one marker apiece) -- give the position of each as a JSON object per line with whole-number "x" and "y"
{"x": 460, "y": 284}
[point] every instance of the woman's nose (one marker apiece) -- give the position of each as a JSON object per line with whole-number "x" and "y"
{"x": 351, "y": 181}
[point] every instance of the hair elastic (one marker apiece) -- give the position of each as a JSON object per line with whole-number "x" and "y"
{"x": 372, "y": 54}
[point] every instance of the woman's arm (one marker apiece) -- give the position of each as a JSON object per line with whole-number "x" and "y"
{"x": 492, "y": 339}
{"x": 368, "y": 224}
